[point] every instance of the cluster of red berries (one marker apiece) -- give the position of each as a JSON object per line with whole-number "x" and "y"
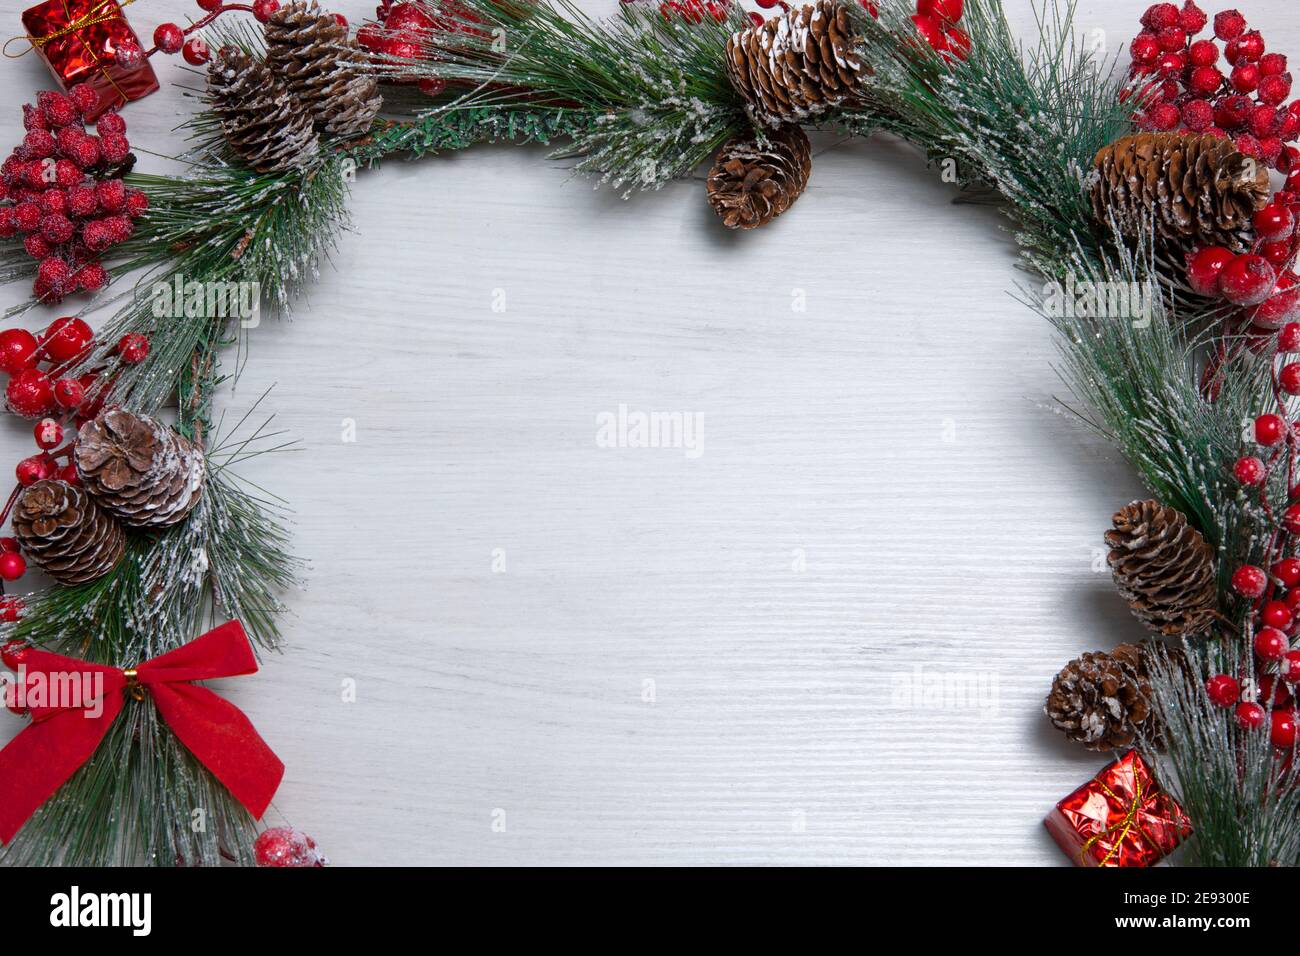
{"x": 397, "y": 34}
{"x": 64, "y": 193}
{"x": 936, "y": 21}
{"x": 35, "y": 391}
{"x": 1185, "y": 88}
{"x": 695, "y": 11}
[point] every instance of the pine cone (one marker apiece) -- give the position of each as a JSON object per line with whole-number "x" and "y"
{"x": 311, "y": 52}
{"x": 752, "y": 181}
{"x": 138, "y": 469}
{"x": 264, "y": 125}
{"x": 797, "y": 65}
{"x": 1104, "y": 700}
{"x": 65, "y": 533}
{"x": 1163, "y": 568}
{"x": 1193, "y": 189}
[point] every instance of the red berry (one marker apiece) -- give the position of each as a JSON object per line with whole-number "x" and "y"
{"x": 1192, "y": 18}
{"x": 1274, "y": 90}
{"x": 33, "y": 469}
{"x": 56, "y": 229}
{"x": 1229, "y": 25}
{"x": 210, "y": 5}
{"x": 262, "y": 9}
{"x": 1250, "y": 46}
{"x": 1160, "y": 15}
{"x": 1247, "y": 280}
{"x": 1233, "y": 112}
{"x": 1291, "y": 667}
{"x": 66, "y": 339}
{"x": 1249, "y": 471}
{"x": 1249, "y": 716}
{"x": 1205, "y": 81}
{"x": 1278, "y": 253}
{"x": 9, "y": 544}
{"x": 1282, "y": 733}
{"x": 1291, "y": 519}
{"x": 1272, "y": 64}
{"x": 1204, "y": 268}
{"x": 286, "y": 847}
{"x": 1289, "y": 378}
{"x": 1198, "y": 115}
{"x": 137, "y": 203}
{"x": 27, "y": 216}
{"x": 133, "y": 348}
{"x": 1172, "y": 39}
{"x": 48, "y": 433}
{"x": 1270, "y": 644}
{"x": 68, "y": 174}
{"x": 1276, "y": 614}
{"x": 1171, "y": 64}
{"x": 96, "y": 235}
{"x": 59, "y": 108}
{"x": 115, "y": 149}
{"x": 38, "y": 247}
{"x": 1223, "y": 690}
{"x": 1245, "y": 78}
{"x": 1163, "y": 116}
{"x": 68, "y": 474}
{"x": 111, "y": 194}
{"x": 121, "y": 227}
{"x": 930, "y": 28}
{"x": 1203, "y": 53}
{"x": 342, "y": 21}
{"x": 111, "y": 124}
{"x": 39, "y": 143}
{"x": 1145, "y": 49}
{"x": 1264, "y": 121}
{"x": 1288, "y": 339}
{"x": 11, "y": 610}
{"x": 30, "y": 393}
{"x": 1249, "y": 581}
{"x": 70, "y": 393}
{"x": 84, "y": 98}
{"x": 91, "y": 277}
{"x": 17, "y": 350}
{"x": 1269, "y": 430}
{"x": 12, "y": 566}
{"x": 168, "y": 37}
{"x": 196, "y": 51}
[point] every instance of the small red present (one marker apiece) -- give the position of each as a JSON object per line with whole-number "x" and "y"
{"x": 79, "y": 41}
{"x": 1120, "y": 817}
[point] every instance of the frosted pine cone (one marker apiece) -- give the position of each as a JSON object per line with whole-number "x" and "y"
{"x": 262, "y": 122}
{"x": 1164, "y": 568}
{"x": 1192, "y": 189}
{"x": 753, "y": 182}
{"x": 310, "y": 51}
{"x": 1103, "y": 700}
{"x": 138, "y": 469}
{"x": 797, "y": 65}
{"x": 63, "y": 532}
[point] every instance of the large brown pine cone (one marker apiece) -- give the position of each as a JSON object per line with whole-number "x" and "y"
{"x": 65, "y": 534}
{"x": 1104, "y": 700}
{"x": 752, "y": 181}
{"x": 309, "y": 49}
{"x": 138, "y": 469}
{"x": 1163, "y": 568}
{"x": 797, "y": 65}
{"x": 1192, "y": 189}
{"x": 263, "y": 124}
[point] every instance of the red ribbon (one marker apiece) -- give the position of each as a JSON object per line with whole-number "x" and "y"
{"x": 62, "y": 737}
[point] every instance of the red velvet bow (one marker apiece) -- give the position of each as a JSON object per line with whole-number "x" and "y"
{"x": 64, "y": 734}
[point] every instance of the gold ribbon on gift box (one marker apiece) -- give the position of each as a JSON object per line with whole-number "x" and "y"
{"x": 1125, "y": 826}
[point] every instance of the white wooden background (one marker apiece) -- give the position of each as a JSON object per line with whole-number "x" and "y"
{"x": 652, "y": 678}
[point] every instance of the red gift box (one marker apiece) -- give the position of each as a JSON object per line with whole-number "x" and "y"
{"x": 1120, "y": 817}
{"x": 78, "y": 40}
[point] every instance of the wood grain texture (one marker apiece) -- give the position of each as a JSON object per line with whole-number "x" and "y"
{"x": 886, "y": 488}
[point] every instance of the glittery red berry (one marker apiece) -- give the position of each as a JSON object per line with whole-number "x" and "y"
{"x": 30, "y": 393}
{"x": 114, "y": 149}
{"x": 1276, "y": 614}
{"x": 1287, "y": 571}
{"x": 1247, "y": 280}
{"x": 34, "y": 117}
{"x": 1223, "y": 690}
{"x": 17, "y": 350}
{"x": 1233, "y": 112}
{"x": 1270, "y": 644}
{"x": 1229, "y": 25}
{"x": 1278, "y": 253}
{"x": 111, "y": 124}
{"x": 27, "y": 216}
{"x": 91, "y": 277}
{"x": 70, "y": 393}
{"x": 1250, "y": 47}
{"x": 1273, "y": 90}
{"x": 262, "y": 9}
{"x": 58, "y": 108}
{"x": 68, "y": 174}
{"x": 1249, "y": 716}
{"x": 66, "y": 338}
{"x": 1163, "y": 116}
{"x": 133, "y": 348}
{"x": 96, "y": 235}
{"x": 56, "y": 229}
{"x": 8, "y": 222}
{"x": 1160, "y": 15}
{"x": 1192, "y": 18}
{"x": 286, "y": 847}
{"x": 1198, "y": 115}
{"x": 196, "y": 51}
{"x": 1145, "y": 48}
{"x": 1274, "y": 221}
{"x": 84, "y": 98}
{"x": 137, "y": 203}
{"x": 1203, "y": 53}
{"x": 1245, "y": 78}
{"x": 121, "y": 227}
{"x": 83, "y": 201}
{"x": 168, "y": 37}
{"x": 1282, "y": 731}
{"x": 1249, "y": 471}
{"x": 11, "y": 609}
{"x": 1289, "y": 378}
{"x": 1249, "y": 581}
{"x": 111, "y": 194}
